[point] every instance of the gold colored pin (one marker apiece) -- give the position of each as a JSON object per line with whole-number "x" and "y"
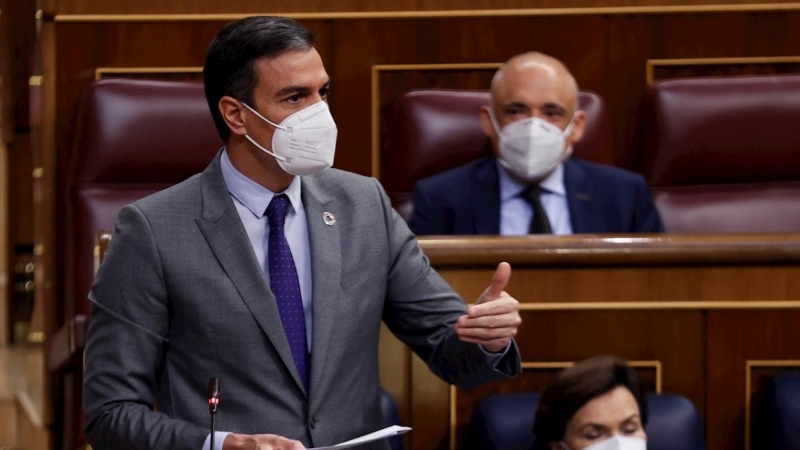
{"x": 328, "y": 218}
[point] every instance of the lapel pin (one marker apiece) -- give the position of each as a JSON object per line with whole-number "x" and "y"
{"x": 328, "y": 218}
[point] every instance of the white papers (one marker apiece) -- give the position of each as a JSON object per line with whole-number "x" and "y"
{"x": 394, "y": 430}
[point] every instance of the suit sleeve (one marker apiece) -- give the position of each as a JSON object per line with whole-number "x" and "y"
{"x": 645, "y": 214}
{"x": 128, "y": 336}
{"x": 428, "y": 217}
{"x": 421, "y": 310}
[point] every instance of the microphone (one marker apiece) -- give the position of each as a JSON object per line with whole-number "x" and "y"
{"x": 213, "y": 404}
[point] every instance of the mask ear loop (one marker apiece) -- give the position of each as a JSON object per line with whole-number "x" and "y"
{"x": 252, "y": 110}
{"x": 259, "y": 146}
{"x": 566, "y": 133}
{"x": 495, "y": 125}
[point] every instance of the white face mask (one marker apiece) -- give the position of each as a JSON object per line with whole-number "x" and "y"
{"x": 616, "y": 442}
{"x": 532, "y": 148}
{"x": 305, "y": 142}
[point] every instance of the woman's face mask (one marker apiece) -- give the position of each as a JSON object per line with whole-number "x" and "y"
{"x": 532, "y": 148}
{"x": 303, "y": 143}
{"x": 616, "y": 442}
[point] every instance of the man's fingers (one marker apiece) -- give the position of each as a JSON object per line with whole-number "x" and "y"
{"x": 275, "y": 442}
{"x": 499, "y": 282}
{"x": 501, "y": 305}
{"x": 484, "y": 335}
{"x": 509, "y": 319}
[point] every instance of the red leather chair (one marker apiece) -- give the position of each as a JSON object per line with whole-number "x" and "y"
{"x": 443, "y": 131}
{"x": 134, "y": 138}
{"x": 723, "y": 154}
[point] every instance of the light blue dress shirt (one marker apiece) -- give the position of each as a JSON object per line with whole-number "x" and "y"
{"x": 515, "y": 211}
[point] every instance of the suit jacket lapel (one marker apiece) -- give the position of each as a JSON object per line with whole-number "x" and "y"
{"x": 326, "y": 271}
{"x": 579, "y": 199}
{"x": 223, "y": 229}
{"x": 485, "y": 203}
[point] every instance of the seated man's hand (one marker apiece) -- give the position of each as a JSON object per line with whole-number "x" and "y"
{"x": 260, "y": 442}
{"x": 492, "y": 322}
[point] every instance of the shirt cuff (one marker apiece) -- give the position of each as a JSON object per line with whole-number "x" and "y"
{"x": 219, "y": 439}
{"x": 506, "y": 362}
{"x": 493, "y": 357}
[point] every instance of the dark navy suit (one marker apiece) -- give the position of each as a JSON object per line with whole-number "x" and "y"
{"x": 601, "y": 199}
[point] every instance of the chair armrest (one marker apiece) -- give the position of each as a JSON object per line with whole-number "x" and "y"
{"x": 66, "y": 346}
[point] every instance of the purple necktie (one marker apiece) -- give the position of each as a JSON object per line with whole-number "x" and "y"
{"x": 286, "y": 286}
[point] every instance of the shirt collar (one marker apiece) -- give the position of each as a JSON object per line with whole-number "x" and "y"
{"x": 510, "y": 187}
{"x": 252, "y": 195}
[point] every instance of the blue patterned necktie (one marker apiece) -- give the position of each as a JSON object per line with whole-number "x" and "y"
{"x": 286, "y": 285}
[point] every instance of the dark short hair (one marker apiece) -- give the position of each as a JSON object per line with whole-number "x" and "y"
{"x": 576, "y": 386}
{"x": 230, "y": 60}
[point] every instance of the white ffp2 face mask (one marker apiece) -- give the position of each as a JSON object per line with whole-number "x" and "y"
{"x": 532, "y": 148}
{"x": 305, "y": 142}
{"x": 616, "y": 442}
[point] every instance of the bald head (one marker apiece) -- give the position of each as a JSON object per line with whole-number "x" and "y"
{"x": 535, "y": 71}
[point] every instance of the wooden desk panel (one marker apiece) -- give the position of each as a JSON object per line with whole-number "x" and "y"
{"x": 706, "y": 317}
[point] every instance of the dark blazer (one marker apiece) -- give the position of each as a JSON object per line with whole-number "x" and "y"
{"x": 180, "y": 298}
{"x": 601, "y": 199}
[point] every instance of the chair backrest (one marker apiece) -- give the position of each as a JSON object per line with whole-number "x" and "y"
{"x": 134, "y": 138}
{"x": 391, "y": 417}
{"x": 443, "y": 131}
{"x": 505, "y": 421}
{"x": 723, "y": 154}
{"x": 783, "y": 400}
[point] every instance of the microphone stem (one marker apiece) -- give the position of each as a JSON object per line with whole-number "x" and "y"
{"x": 213, "y": 430}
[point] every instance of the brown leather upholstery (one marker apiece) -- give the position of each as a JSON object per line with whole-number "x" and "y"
{"x": 723, "y": 154}
{"x": 134, "y": 138}
{"x": 444, "y": 131}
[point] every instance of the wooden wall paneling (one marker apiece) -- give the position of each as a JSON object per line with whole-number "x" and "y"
{"x": 21, "y": 16}
{"x": 6, "y": 129}
{"x": 5, "y": 251}
{"x": 660, "y": 69}
{"x": 359, "y": 45}
{"x": 6, "y": 82}
{"x": 193, "y": 74}
{"x": 348, "y": 8}
{"x": 20, "y": 181}
{"x": 16, "y": 41}
{"x": 44, "y": 175}
{"x": 611, "y": 285}
{"x": 631, "y": 40}
{"x": 738, "y": 344}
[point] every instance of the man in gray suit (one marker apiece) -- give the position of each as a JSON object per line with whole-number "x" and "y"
{"x": 272, "y": 272}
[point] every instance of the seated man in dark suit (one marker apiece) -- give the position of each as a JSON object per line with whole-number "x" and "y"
{"x": 530, "y": 185}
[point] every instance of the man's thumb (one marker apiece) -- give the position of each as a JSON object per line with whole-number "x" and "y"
{"x": 499, "y": 282}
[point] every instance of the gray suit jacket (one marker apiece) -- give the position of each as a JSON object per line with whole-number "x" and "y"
{"x": 181, "y": 298}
